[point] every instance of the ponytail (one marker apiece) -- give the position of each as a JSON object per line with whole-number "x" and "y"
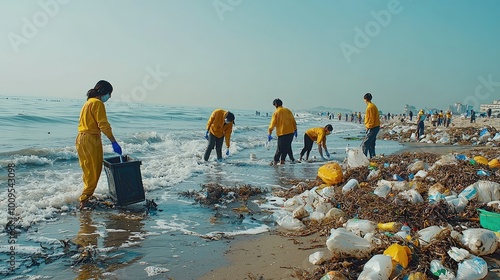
{"x": 101, "y": 88}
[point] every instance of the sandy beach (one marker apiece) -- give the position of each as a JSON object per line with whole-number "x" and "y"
{"x": 275, "y": 255}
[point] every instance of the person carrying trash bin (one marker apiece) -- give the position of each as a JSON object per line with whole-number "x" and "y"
{"x": 219, "y": 126}
{"x": 286, "y": 128}
{"x": 372, "y": 124}
{"x": 93, "y": 121}
{"x": 317, "y": 134}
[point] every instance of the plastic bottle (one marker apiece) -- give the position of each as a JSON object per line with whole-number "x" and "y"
{"x": 382, "y": 191}
{"x": 392, "y": 226}
{"x": 483, "y": 173}
{"x": 379, "y": 267}
{"x": 461, "y": 157}
{"x": 397, "y": 177}
{"x": 350, "y": 185}
{"x": 406, "y": 228}
{"x": 469, "y": 193}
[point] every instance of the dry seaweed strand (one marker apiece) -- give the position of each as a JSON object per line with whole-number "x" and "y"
{"x": 213, "y": 193}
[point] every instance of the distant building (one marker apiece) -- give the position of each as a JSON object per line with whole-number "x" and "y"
{"x": 409, "y": 108}
{"x": 495, "y": 107}
{"x": 459, "y": 108}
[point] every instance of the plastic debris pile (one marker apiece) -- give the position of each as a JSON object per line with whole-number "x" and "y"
{"x": 485, "y": 136}
{"x": 412, "y": 215}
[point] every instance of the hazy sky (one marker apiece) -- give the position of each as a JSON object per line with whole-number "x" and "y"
{"x": 241, "y": 54}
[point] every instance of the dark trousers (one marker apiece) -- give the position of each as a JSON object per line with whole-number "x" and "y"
{"x": 368, "y": 144}
{"x": 308, "y": 144}
{"x": 284, "y": 148}
{"x": 213, "y": 141}
{"x": 420, "y": 129}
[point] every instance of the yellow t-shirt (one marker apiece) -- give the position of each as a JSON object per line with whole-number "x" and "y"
{"x": 284, "y": 122}
{"x": 317, "y": 134}
{"x": 372, "y": 118}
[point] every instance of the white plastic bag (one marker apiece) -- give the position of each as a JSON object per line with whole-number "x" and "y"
{"x": 442, "y": 272}
{"x": 480, "y": 241}
{"x": 355, "y": 158}
{"x": 317, "y": 216}
{"x": 288, "y": 222}
{"x": 487, "y": 191}
{"x": 448, "y": 159}
{"x": 421, "y": 174}
{"x": 319, "y": 257}
{"x": 344, "y": 243}
{"x": 360, "y": 227}
{"x": 300, "y": 212}
{"x": 292, "y": 203}
{"x": 412, "y": 196}
{"x": 458, "y": 204}
{"x": 428, "y": 233}
{"x": 322, "y": 206}
{"x": 417, "y": 166}
{"x": 379, "y": 267}
{"x": 472, "y": 269}
{"x": 335, "y": 214}
{"x": 458, "y": 254}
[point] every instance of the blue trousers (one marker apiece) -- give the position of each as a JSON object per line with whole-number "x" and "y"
{"x": 368, "y": 144}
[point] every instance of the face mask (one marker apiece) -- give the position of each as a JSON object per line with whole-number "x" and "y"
{"x": 226, "y": 121}
{"x": 105, "y": 97}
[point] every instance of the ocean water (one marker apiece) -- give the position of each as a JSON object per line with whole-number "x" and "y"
{"x": 38, "y": 136}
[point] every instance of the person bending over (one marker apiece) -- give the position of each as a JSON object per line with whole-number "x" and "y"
{"x": 219, "y": 126}
{"x": 317, "y": 134}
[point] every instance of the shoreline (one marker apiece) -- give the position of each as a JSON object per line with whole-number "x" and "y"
{"x": 273, "y": 256}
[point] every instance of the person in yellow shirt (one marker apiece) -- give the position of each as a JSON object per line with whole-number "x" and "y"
{"x": 317, "y": 134}
{"x": 420, "y": 124}
{"x": 372, "y": 124}
{"x": 286, "y": 127}
{"x": 93, "y": 121}
{"x": 219, "y": 126}
{"x": 448, "y": 118}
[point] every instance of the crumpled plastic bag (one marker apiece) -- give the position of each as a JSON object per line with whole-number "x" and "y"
{"x": 355, "y": 158}
{"x": 344, "y": 243}
{"x": 412, "y": 196}
{"x": 480, "y": 241}
{"x": 472, "y": 269}
{"x": 398, "y": 254}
